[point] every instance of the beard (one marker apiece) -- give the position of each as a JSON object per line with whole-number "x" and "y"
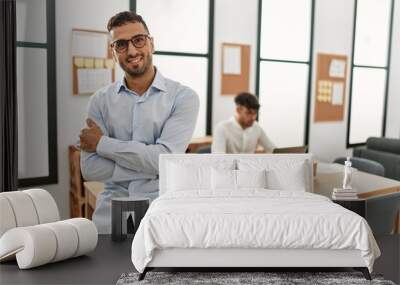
{"x": 138, "y": 70}
{"x": 251, "y": 123}
{"x": 247, "y": 123}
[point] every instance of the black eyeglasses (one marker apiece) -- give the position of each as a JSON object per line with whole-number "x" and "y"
{"x": 138, "y": 41}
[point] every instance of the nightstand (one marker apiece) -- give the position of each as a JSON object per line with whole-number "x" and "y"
{"x": 356, "y": 205}
{"x": 121, "y": 206}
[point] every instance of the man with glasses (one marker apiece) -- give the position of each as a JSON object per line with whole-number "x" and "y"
{"x": 241, "y": 133}
{"x": 132, "y": 121}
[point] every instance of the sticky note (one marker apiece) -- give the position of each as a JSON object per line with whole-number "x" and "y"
{"x": 89, "y": 62}
{"x": 99, "y": 63}
{"x": 109, "y": 63}
{"x": 337, "y": 90}
{"x": 78, "y": 61}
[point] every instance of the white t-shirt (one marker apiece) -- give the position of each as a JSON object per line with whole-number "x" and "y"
{"x": 230, "y": 137}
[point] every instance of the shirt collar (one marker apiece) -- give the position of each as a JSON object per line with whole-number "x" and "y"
{"x": 158, "y": 83}
{"x": 122, "y": 85}
{"x": 237, "y": 125}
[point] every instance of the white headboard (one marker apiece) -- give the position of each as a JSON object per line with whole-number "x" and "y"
{"x": 210, "y": 159}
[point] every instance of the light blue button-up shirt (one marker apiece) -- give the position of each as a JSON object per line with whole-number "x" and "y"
{"x": 137, "y": 129}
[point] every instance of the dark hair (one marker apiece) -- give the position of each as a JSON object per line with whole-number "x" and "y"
{"x": 247, "y": 100}
{"x": 122, "y": 18}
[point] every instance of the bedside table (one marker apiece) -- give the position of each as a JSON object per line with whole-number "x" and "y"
{"x": 357, "y": 205}
{"x": 121, "y": 206}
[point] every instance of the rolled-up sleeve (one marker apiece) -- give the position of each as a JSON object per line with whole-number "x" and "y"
{"x": 175, "y": 137}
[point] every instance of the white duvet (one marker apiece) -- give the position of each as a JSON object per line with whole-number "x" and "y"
{"x": 253, "y": 218}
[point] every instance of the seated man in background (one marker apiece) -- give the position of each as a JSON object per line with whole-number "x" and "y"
{"x": 134, "y": 120}
{"x": 241, "y": 133}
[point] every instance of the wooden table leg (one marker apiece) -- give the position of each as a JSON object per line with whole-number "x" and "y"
{"x": 396, "y": 224}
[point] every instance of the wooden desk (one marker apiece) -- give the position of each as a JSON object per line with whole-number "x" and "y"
{"x": 330, "y": 175}
{"x": 383, "y": 216}
{"x": 92, "y": 189}
{"x": 199, "y": 142}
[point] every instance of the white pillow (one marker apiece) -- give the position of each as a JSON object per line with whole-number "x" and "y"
{"x": 251, "y": 178}
{"x": 227, "y": 179}
{"x": 188, "y": 174}
{"x": 223, "y": 179}
{"x": 294, "y": 178}
{"x": 281, "y": 174}
{"x": 182, "y": 177}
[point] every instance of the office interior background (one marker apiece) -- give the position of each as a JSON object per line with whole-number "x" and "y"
{"x": 285, "y": 38}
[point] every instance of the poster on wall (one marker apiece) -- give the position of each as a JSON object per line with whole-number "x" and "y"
{"x": 330, "y": 87}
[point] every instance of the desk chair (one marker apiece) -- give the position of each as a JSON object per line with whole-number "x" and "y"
{"x": 204, "y": 149}
{"x": 294, "y": 149}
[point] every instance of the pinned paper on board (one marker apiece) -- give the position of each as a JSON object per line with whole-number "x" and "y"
{"x": 89, "y": 63}
{"x": 99, "y": 63}
{"x": 92, "y": 63}
{"x": 330, "y": 87}
{"x": 324, "y": 91}
{"x": 109, "y": 63}
{"x": 232, "y": 60}
{"x": 235, "y": 68}
{"x": 337, "y": 93}
{"x": 79, "y": 62}
{"x": 90, "y": 80}
{"x": 337, "y": 68}
{"x": 89, "y": 44}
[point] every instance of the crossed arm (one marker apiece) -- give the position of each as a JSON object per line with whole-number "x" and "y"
{"x": 101, "y": 155}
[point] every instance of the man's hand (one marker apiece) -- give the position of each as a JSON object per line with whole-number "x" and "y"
{"x": 90, "y": 137}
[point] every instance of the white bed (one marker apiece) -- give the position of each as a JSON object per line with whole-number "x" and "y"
{"x": 202, "y": 220}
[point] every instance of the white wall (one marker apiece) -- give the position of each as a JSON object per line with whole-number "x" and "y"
{"x": 333, "y": 33}
{"x": 393, "y": 110}
{"x": 235, "y": 22}
{"x": 88, "y": 14}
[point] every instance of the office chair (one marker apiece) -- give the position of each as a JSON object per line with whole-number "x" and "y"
{"x": 364, "y": 164}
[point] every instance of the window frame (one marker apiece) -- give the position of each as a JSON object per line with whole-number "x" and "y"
{"x": 310, "y": 64}
{"x": 209, "y": 55}
{"x": 50, "y": 47}
{"x": 387, "y": 68}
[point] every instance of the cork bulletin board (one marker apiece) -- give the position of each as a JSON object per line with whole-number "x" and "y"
{"x": 330, "y": 87}
{"x": 235, "y": 69}
{"x": 92, "y": 64}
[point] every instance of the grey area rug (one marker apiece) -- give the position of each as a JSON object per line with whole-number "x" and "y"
{"x": 228, "y": 278}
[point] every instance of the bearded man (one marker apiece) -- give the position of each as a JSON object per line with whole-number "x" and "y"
{"x": 132, "y": 121}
